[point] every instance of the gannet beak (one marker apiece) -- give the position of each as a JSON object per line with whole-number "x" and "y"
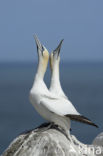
{"x": 40, "y": 47}
{"x": 57, "y": 50}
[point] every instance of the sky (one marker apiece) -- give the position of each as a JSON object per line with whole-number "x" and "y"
{"x": 78, "y": 22}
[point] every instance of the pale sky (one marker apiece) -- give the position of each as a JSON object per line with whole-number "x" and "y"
{"x": 78, "y": 22}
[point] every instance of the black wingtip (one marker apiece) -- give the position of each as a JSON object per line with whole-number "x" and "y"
{"x": 96, "y": 125}
{"x": 81, "y": 118}
{"x": 91, "y": 123}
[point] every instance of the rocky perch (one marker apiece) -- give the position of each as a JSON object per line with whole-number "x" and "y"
{"x": 51, "y": 140}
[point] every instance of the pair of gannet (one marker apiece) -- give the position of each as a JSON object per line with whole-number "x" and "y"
{"x": 53, "y": 105}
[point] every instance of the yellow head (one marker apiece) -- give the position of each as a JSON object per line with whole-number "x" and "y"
{"x": 44, "y": 59}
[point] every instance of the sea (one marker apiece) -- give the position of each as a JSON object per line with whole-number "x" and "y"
{"x": 81, "y": 81}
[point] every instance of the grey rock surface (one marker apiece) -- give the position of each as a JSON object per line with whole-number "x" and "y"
{"x": 47, "y": 141}
{"x": 98, "y": 141}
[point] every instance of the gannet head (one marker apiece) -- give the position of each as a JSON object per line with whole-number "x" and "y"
{"x": 54, "y": 56}
{"x": 43, "y": 55}
{"x": 45, "y": 58}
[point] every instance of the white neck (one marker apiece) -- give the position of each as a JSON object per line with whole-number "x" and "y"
{"x": 55, "y": 75}
{"x": 40, "y": 70}
{"x": 55, "y": 85}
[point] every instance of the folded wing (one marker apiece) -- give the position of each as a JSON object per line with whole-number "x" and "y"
{"x": 59, "y": 106}
{"x": 63, "y": 107}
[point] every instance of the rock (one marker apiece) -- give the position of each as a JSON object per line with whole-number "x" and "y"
{"x": 98, "y": 142}
{"x": 48, "y": 140}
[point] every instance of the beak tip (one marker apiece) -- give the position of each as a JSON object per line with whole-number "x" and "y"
{"x": 35, "y": 36}
{"x": 62, "y": 40}
{"x": 57, "y": 50}
{"x": 40, "y": 47}
{"x": 36, "y": 39}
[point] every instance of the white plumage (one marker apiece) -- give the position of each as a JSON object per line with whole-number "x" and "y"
{"x": 52, "y": 105}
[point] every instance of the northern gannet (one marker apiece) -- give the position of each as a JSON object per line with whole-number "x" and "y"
{"x": 47, "y": 104}
{"x": 55, "y": 87}
{"x": 39, "y": 89}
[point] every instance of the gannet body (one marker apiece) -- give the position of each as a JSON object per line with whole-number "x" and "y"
{"x": 47, "y": 104}
{"x": 39, "y": 89}
{"x": 55, "y": 87}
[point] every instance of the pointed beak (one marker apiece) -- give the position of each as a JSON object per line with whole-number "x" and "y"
{"x": 40, "y": 47}
{"x": 57, "y": 50}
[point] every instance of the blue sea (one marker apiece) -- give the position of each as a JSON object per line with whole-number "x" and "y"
{"x": 82, "y": 83}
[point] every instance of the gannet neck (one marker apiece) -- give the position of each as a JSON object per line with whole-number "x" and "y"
{"x": 55, "y": 85}
{"x": 41, "y": 69}
{"x": 55, "y": 78}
